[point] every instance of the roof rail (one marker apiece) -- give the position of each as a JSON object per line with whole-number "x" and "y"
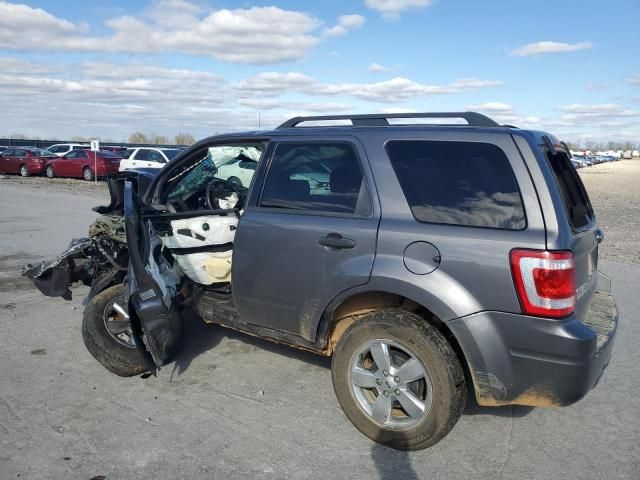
{"x": 381, "y": 119}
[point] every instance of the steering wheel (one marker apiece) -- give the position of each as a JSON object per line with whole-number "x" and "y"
{"x": 217, "y": 189}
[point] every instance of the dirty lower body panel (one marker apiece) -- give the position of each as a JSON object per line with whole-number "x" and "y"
{"x": 522, "y": 360}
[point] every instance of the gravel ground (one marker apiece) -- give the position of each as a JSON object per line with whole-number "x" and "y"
{"x": 67, "y": 185}
{"x": 234, "y": 406}
{"x": 614, "y": 189}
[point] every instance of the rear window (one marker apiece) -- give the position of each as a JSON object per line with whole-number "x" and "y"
{"x": 458, "y": 183}
{"x": 41, "y": 153}
{"x": 574, "y": 196}
{"x": 170, "y": 153}
{"x": 108, "y": 154}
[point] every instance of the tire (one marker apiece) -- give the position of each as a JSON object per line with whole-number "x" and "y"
{"x": 407, "y": 335}
{"x": 122, "y": 360}
{"x": 49, "y": 172}
{"x": 87, "y": 174}
{"x": 24, "y": 171}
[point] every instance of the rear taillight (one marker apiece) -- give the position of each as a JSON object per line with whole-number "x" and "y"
{"x": 545, "y": 282}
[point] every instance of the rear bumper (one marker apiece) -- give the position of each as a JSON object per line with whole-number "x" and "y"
{"x": 36, "y": 168}
{"x": 522, "y": 360}
{"x": 104, "y": 170}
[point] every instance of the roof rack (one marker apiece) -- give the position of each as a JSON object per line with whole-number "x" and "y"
{"x": 381, "y": 119}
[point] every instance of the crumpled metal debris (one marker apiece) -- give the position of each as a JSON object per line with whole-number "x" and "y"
{"x": 96, "y": 260}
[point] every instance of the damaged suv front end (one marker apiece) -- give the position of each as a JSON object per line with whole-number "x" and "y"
{"x": 99, "y": 260}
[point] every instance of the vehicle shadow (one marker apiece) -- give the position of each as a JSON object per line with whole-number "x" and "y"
{"x": 200, "y": 337}
{"x": 392, "y": 464}
{"x": 513, "y": 411}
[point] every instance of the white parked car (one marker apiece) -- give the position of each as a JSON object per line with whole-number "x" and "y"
{"x": 61, "y": 149}
{"x": 148, "y": 157}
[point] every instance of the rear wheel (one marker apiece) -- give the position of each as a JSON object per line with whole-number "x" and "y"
{"x": 49, "y": 172}
{"x": 87, "y": 174}
{"x": 107, "y": 334}
{"x": 398, "y": 380}
{"x": 24, "y": 171}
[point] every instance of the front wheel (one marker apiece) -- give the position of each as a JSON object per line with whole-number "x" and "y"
{"x": 107, "y": 334}
{"x": 24, "y": 171}
{"x": 87, "y": 174}
{"x": 398, "y": 380}
{"x": 49, "y": 172}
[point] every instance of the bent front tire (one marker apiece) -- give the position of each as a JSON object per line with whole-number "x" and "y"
{"x": 107, "y": 334}
{"x": 398, "y": 380}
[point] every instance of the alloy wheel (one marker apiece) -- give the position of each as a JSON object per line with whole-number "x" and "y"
{"x": 116, "y": 321}
{"x": 390, "y": 385}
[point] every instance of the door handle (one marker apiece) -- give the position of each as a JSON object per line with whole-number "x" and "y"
{"x": 337, "y": 241}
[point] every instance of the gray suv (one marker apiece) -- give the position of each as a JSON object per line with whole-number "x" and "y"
{"x": 432, "y": 262}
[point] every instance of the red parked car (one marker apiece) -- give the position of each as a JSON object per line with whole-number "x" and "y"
{"x": 25, "y": 160}
{"x": 83, "y": 164}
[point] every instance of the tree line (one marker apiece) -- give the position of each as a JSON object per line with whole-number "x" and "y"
{"x": 589, "y": 145}
{"x": 136, "y": 137}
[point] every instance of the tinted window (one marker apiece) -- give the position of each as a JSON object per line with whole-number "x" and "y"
{"x": 41, "y": 153}
{"x": 8, "y": 152}
{"x": 57, "y": 149}
{"x": 20, "y": 153}
{"x": 156, "y": 156}
{"x": 574, "y": 196}
{"x": 77, "y": 154}
{"x": 108, "y": 154}
{"x": 323, "y": 177}
{"x": 170, "y": 153}
{"x": 141, "y": 155}
{"x": 458, "y": 183}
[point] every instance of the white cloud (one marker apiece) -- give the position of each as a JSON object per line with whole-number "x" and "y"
{"x": 256, "y": 35}
{"x": 396, "y": 89}
{"x": 274, "y": 83}
{"x": 491, "y": 107}
{"x": 398, "y": 110}
{"x": 400, "y": 88}
{"x": 391, "y": 9}
{"x": 505, "y": 114}
{"x": 376, "y": 67}
{"x": 634, "y": 80}
{"x": 541, "y": 48}
{"x": 345, "y": 23}
{"x": 604, "y": 111}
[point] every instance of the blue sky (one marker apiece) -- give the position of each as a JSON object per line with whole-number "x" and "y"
{"x": 168, "y": 66}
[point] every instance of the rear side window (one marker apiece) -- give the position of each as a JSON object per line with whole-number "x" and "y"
{"x": 317, "y": 178}
{"x": 574, "y": 196}
{"x": 142, "y": 155}
{"x": 458, "y": 183}
{"x": 156, "y": 156}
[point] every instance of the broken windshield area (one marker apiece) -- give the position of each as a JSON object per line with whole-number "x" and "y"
{"x": 235, "y": 164}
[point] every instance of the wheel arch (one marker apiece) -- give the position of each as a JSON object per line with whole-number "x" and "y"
{"x": 352, "y": 305}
